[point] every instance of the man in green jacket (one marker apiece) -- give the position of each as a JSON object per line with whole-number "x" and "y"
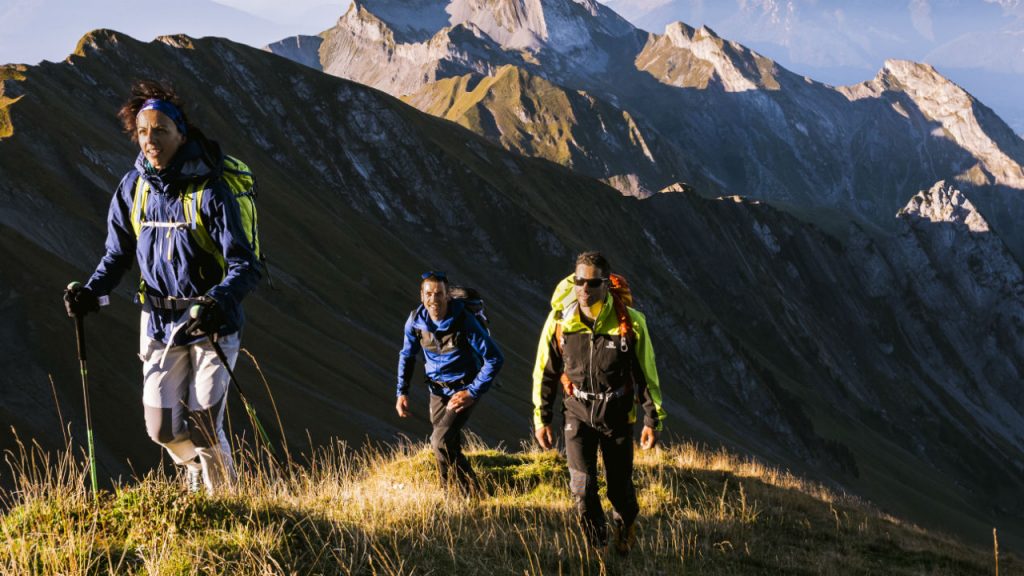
{"x": 598, "y": 352}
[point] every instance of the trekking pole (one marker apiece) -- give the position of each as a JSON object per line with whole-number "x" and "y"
{"x": 245, "y": 401}
{"x": 249, "y": 409}
{"x": 83, "y": 368}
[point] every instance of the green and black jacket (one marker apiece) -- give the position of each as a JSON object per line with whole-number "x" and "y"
{"x": 595, "y": 363}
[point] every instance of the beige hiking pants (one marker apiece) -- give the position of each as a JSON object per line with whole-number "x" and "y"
{"x": 185, "y": 395}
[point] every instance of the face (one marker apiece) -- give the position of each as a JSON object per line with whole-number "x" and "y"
{"x": 434, "y": 296}
{"x": 159, "y": 138}
{"x": 585, "y": 294}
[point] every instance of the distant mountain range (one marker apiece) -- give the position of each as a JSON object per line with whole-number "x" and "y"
{"x": 883, "y": 362}
{"x": 690, "y": 107}
{"x": 977, "y": 43}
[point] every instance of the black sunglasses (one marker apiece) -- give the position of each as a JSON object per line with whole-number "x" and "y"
{"x": 590, "y": 282}
{"x": 434, "y": 274}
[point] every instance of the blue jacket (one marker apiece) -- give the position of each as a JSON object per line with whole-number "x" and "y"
{"x": 451, "y": 362}
{"x": 171, "y": 262}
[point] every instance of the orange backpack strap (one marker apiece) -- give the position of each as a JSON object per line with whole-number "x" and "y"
{"x": 622, "y": 297}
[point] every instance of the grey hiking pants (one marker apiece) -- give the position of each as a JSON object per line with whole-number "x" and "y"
{"x": 446, "y": 440}
{"x": 184, "y": 395}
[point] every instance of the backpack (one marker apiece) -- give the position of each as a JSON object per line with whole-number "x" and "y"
{"x": 474, "y": 302}
{"x": 240, "y": 182}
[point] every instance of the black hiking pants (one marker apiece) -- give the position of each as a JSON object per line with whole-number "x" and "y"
{"x": 446, "y": 440}
{"x": 581, "y": 444}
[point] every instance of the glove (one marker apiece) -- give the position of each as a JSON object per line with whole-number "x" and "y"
{"x": 206, "y": 318}
{"x": 79, "y": 300}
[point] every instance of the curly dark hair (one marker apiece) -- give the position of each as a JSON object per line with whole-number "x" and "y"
{"x": 143, "y": 90}
{"x": 595, "y": 259}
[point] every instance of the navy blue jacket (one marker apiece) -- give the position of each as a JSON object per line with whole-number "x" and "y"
{"x": 449, "y": 371}
{"x": 172, "y": 263}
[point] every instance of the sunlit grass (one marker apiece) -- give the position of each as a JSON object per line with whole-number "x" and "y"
{"x": 380, "y": 510}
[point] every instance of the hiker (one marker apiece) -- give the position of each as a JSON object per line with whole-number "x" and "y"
{"x": 597, "y": 352}
{"x": 460, "y": 362}
{"x": 185, "y": 386}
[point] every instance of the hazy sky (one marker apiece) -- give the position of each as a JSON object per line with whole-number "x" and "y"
{"x": 34, "y": 30}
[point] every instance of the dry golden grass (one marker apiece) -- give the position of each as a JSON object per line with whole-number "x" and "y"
{"x": 379, "y": 511}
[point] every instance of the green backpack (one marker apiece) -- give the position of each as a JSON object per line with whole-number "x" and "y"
{"x": 238, "y": 177}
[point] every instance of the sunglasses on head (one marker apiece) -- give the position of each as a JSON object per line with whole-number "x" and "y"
{"x": 590, "y": 282}
{"x": 434, "y": 274}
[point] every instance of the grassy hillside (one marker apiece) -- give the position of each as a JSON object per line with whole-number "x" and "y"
{"x": 378, "y": 511}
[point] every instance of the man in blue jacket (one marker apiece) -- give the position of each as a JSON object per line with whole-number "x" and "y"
{"x": 460, "y": 362}
{"x": 152, "y": 221}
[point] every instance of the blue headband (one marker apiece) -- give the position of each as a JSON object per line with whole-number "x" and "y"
{"x": 169, "y": 109}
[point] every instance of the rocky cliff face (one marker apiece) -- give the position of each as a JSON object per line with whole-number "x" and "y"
{"x": 530, "y": 115}
{"x": 732, "y": 122}
{"x": 858, "y": 363}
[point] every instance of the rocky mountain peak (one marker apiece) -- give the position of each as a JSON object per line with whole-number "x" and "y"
{"x": 944, "y": 203}
{"x": 96, "y": 40}
{"x": 560, "y": 25}
{"x": 956, "y": 116}
{"x": 409, "y": 20}
{"x": 683, "y": 36}
{"x": 360, "y": 22}
{"x": 688, "y": 57}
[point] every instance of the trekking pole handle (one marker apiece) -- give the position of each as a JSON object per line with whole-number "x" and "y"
{"x": 101, "y": 300}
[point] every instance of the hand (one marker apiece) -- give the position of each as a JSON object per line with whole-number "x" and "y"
{"x": 461, "y": 400}
{"x": 206, "y": 318}
{"x": 648, "y": 438}
{"x": 544, "y": 437}
{"x": 402, "y": 406}
{"x": 79, "y": 300}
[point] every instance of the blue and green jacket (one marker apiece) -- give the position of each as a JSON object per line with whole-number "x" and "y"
{"x": 458, "y": 352}
{"x": 172, "y": 263}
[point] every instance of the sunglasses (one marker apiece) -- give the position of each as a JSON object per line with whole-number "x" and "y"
{"x": 434, "y": 274}
{"x": 590, "y": 282}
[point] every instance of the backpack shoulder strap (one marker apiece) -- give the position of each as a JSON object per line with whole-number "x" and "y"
{"x": 559, "y": 333}
{"x": 192, "y": 202}
{"x": 627, "y": 336}
{"x": 140, "y": 194}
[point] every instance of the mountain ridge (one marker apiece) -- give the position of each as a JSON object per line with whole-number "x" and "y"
{"x": 752, "y": 128}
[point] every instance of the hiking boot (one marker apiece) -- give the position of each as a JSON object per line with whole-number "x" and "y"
{"x": 624, "y": 537}
{"x": 194, "y": 479}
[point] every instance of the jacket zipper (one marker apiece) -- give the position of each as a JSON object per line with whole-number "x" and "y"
{"x": 593, "y": 403}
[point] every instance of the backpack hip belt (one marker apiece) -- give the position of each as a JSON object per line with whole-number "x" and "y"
{"x": 171, "y": 303}
{"x": 581, "y": 395}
